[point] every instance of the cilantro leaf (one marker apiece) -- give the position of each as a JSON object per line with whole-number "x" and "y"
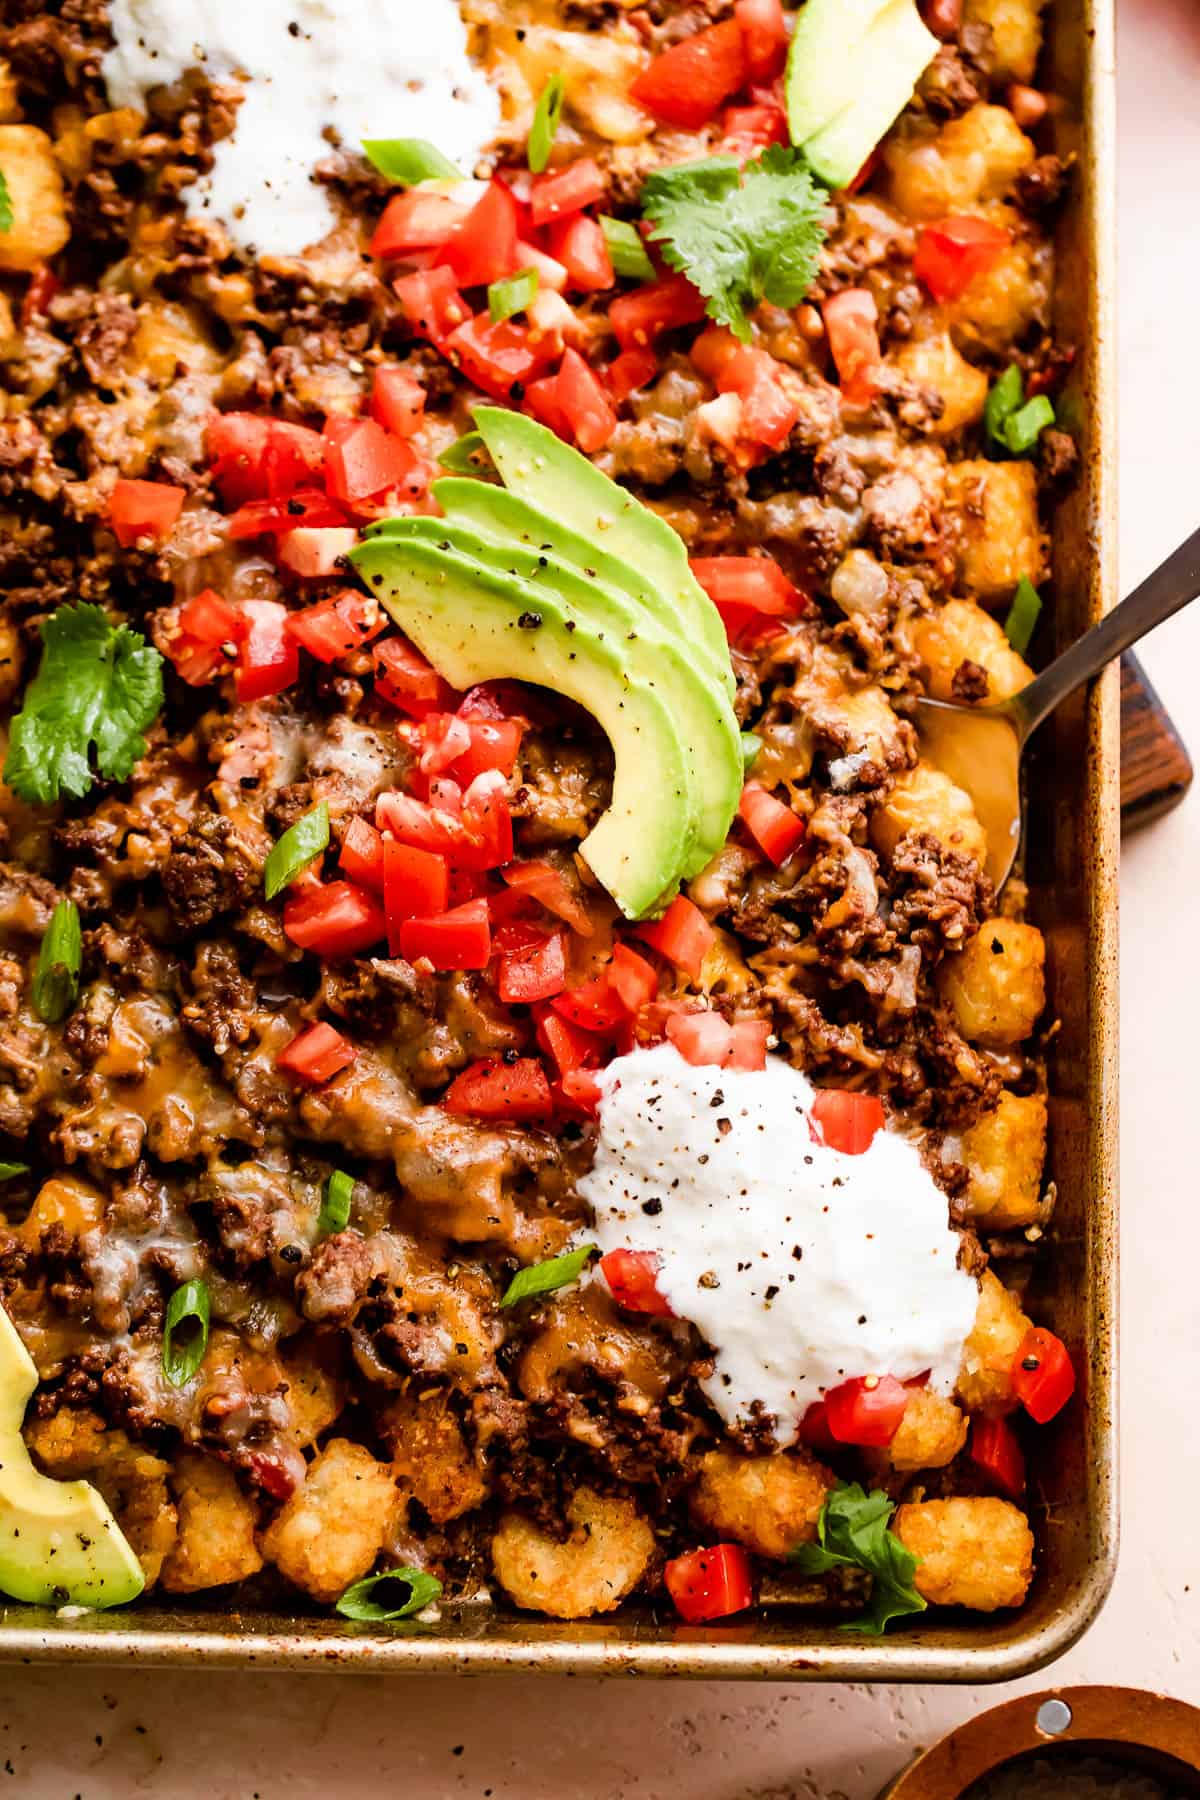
{"x": 740, "y": 235}
{"x": 852, "y": 1532}
{"x": 97, "y": 684}
{"x": 6, "y": 205}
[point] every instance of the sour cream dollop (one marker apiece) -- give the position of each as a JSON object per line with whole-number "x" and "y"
{"x": 363, "y": 68}
{"x": 801, "y": 1266}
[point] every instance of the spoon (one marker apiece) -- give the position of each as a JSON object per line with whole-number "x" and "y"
{"x": 980, "y": 747}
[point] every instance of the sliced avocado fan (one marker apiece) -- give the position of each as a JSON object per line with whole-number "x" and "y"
{"x": 59, "y": 1543}
{"x": 852, "y": 68}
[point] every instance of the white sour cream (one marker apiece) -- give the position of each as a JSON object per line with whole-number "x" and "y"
{"x": 361, "y": 68}
{"x": 801, "y": 1266}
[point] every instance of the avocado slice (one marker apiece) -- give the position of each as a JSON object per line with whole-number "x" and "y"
{"x": 852, "y": 68}
{"x": 537, "y": 466}
{"x": 703, "y": 717}
{"x": 475, "y": 624}
{"x": 58, "y": 1541}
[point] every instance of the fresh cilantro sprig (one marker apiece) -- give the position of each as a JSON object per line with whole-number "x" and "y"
{"x": 6, "y": 205}
{"x": 852, "y": 1532}
{"x": 98, "y": 684}
{"x": 740, "y": 235}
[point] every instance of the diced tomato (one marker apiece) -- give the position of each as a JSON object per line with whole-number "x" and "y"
{"x": 316, "y": 553}
{"x": 566, "y": 191}
{"x": 333, "y": 919}
{"x": 337, "y": 625}
{"x": 867, "y": 1410}
{"x": 749, "y": 1047}
{"x": 775, "y": 828}
{"x": 594, "y": 1005}
{"x": 492, "y": 744}
{"x": 996, "y": 1449}
{"x": 630, "y": 372}
{"x": 952, "y": 252}
{"x": 144, "y": 509}
{"x": 432, "y": 303}
{"x": 257, "y": 458}
{"x": 764, "y": 37}
{"x": 497, "y": 1091}
{"x": 630, "y": 1275}
{"x": 1043, "y": 1375}
{"x": 847, "y": 1121}
{"x": 404, "y": 679}
{"x": 43, "y": 285}
{"x": 293, "y": 457}
{"x": 632, "y": 978}
{"x": 541, "y": 399}
{"x": 750, "y": 583}
{"x": 533, "y": 974}
{"x": 701, "y": 1037}
{"x": 575, "y": 404}
{"x": 578, "y": 244}
{"x": 430, "y": 827}
{"x": 397, "y": 401}
{"x": 206, "y": 639}
{"x": 417, "y": 220}
{"x": 277, "y": 518}
{"x": 483, "y": 248}
{"x": 502, "y": 700}
{"x": 552, "y": 277}
{"x": 569, "y": 1046}
{"x": 367, "y": 460}
{"x": 444, "y": 737}
{"x": 683, "y": 935}
{"x": 316, "y": 1054}
{"x": 747, "y": 130}
{"x": 501, "y": 359}
{"x": 488, "y": 820}
{"x": 768, "y": 413}
{"x": 542, "y": 882}
{"x": 361, "y": 855}
{"x": 709, "y": 1584}
{"x": 639, "y": 318}
{"x": 578, "y": 1091}
{"x": 814, "y": 1430}
{"x": 458, "y": 939}
{"x": 268, "y": 657}
{"x": 852, "y": 327}
{"x": 687, "y": 83}
{"x": 415, "y": 886}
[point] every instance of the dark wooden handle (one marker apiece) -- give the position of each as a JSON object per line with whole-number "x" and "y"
{"x": 1156, "y": 770}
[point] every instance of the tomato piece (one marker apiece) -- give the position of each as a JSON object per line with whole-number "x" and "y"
{"x": 764, "y": 37}
{"x": 144, "y": 509}
{"x": 578, "y": 1091}
{"x": 687, "y": 83}
{"x": 256, "y": 458}
{"x": 337, "y": 625}
{"x": 404, "y": 679}
{"x": 417, "y": 220}
{"x": 540, "y": 881}
{"x": 852, "y": 327}
{"x": 746, "y": 131}
{"x": 1043, "y": 1375}
{"x": 458, "y": 939}
{"x": 361, "y": 855}
{"x": 629, "y": 372}
{"x": 536, "y": 973}
{"x": 333, "y": 919}
{"x": 639, "y": 318}
{"x": 428, "y": 826}
{"x": 569, "y": 1046}
{"x": 367, "y": 460}
{"x": 43, "y": 285}
{"x": 578, "y": 243}
{"x": 754, "y": 584}
{"x": 493, "y": 744}
{"x": 209, "y": 630}
{"x": 566, "y": 191}
{"x": 501, "y": 359}
{"x": 444, "y": 737}
{"x": 709, "y": 1584}
{"x": 586, "y": 408}
{"x": 294, "y": 457}
{"x": 594, "y": 1005}
{"x": 701, "y": 1037}
{"x": 768, "y": 414}
{"x": 867, "y": 1410}
{"x": 316, "y": 553}
{"x": 632, "y": 978}
{"x": 316, "y": 1054}
{"x": 276, "y": 518}
{"x": 748, "y": 1049}
{"x": 488, "y": 821}
{"x": 432, "y": 303}
{"x": 775, "y": 828}
{"x": 847, "y": 1121}
{"x": 814, "y": 1430}
{"x": 415, "y": 886}
{"x": 552, "y": 277}
{"x": 517, "y": 1092}
{"x": 397, "y": 401}
{"x": 630, "y": 1275}
{"x": 483, "y": 248}
{"x": 996, "y": 1449}
{"x": 683, "y": 935}
{"x": 268, "y": 657}
{"x": 952, "y": 252}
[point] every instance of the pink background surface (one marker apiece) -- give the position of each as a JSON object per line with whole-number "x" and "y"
{"x": 103, "y": 1735}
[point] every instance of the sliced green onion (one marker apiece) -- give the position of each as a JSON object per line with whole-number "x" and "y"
{"x": 1023, "y": 615}
{"x": 8, "y": 1170}
{"x": 292, "y": 853}
{"x": 335, "y": 1207}
{"x": 1023, "y": 429}
{"x": 185, "y": 1337}
{"x": 406, "y": 161}
{"x": 466, "y": 455}
{"x": 513, "y": 295}
{"x": 357, "y": 1602}
{"x": 626, "y": 251}
{"x": 544, "y": 1277}
{"x": 56, "y": 977}
{"x": 751, "y": 745}
{"x": 6, "y": 207}
{"x": 546, "y": 119}
{"x": 1004, "y": 398}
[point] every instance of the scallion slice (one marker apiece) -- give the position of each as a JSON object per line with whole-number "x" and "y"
{"x": 56, "y": 977}
{"x": 544, "y": 1277}
{"x": 1004, "y": 398}
{"x": 6, "y": 207}
{"x": 335, "y": 1207}
{"x": 512, "y": 295}
{"x": 293, "y": 852}
{"x": 8, "y": 1170}
{"x": 467, "y": 455}
{"x": 1022, "y": 429}
{"x": 1023, "y": 615}
{"x": 406, "y": 161}
{"x": 626, "y": 251}
{"x": 751, "y": 745}
{"x": 185, "y": 1336}
{"x": 358, "y": 1601}
{"x": 546, "y": 119}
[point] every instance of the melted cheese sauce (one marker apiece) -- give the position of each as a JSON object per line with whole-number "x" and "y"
{"x": 312, "y": 72}
{"x": 802, "y": 1267}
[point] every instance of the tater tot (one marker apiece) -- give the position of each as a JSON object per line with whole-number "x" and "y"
{"x": 973, "y": 158}
{"x": 996, "y": 986}
{"x": 1003, "y": 1153}
{"x": 931, "y": 1433}
{"x": 603, "y": 1559}
{"x": 960, "y": 632}
{"x": 971, "y": 1552}
{"x": 216, "y": 1543}
{"x": 332, "y": 1529}
{"x": 935, "y": 362}
{"x": 76, "y": 1444}
{"x": 985, "y": 1373}
{"x": 39, "y": 228}
{"x": 926, "y": 800}
{"x": 1000, "y": 536}
{"x": 768, "y": 1503}
{"x": 430, "y": 1457}
{"x": 1016, "y": 27}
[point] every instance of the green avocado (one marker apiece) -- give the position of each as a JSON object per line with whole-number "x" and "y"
{"x": 58, "y": 1541}
{"x": 477, "y": 624}
{"x": 852, "y": 68}
{"x": 538, "y": 467}
{"x": 703, "y": 717}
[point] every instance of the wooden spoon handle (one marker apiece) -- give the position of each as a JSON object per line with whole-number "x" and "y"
{"x": 1156, "y": 770}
